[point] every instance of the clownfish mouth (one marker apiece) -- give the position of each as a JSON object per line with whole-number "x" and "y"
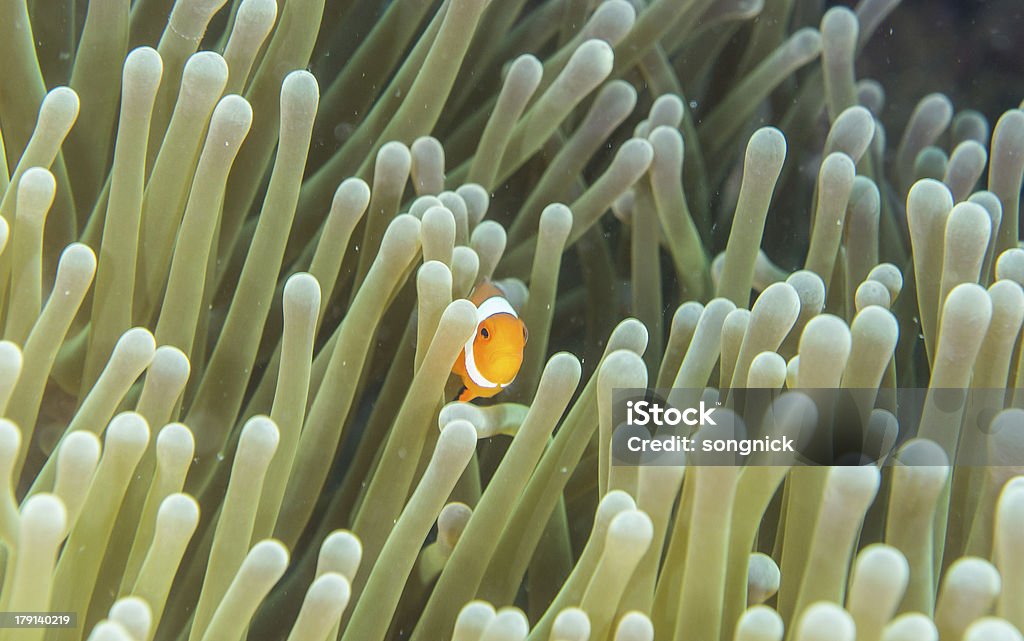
{"x": 505, "y": 366}
{"x": 506, "y": 356}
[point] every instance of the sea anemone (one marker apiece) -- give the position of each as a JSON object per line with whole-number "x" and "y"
{"x": 238, "y": 245}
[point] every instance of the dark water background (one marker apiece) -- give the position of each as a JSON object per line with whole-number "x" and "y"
{"x": 970, "y": 50}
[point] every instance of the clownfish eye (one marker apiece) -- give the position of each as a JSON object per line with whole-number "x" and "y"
{"x": 484, "y": 333}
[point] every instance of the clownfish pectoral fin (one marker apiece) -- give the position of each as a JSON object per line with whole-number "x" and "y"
{"x": 466, "y": 395}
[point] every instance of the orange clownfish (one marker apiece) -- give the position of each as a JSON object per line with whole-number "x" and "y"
{"x": 492, "y": 356}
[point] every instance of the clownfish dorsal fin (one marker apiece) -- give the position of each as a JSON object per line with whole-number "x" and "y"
{"x": 485, "y": 289}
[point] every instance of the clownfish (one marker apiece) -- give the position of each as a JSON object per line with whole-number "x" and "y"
{"x": 491, "y": 357}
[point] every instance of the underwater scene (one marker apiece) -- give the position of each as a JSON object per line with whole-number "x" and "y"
{"x": 511, "y": 320}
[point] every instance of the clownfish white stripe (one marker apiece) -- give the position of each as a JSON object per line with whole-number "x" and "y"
{"x": 494, "y": 305}
{"x": 490, "y": 307}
